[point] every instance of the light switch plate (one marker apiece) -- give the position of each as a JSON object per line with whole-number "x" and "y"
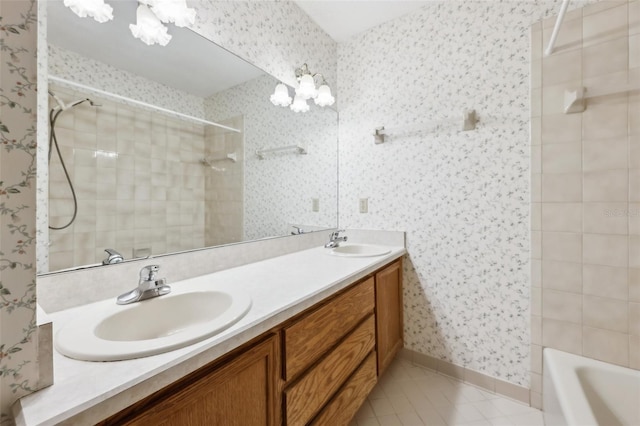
{"x": 315, "y": 204}
{"x": 364, "y": 205}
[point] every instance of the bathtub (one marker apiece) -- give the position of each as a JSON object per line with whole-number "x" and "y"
{"x": 579, "y": 391}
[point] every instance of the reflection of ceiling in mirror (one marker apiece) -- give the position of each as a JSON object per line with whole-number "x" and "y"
{"x": 182, "y": 64}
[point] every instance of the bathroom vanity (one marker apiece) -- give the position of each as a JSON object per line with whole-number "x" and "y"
{"x": 308, "y": 351}
{"x": 316, "y": 368}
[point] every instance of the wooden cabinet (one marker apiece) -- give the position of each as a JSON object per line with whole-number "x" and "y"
{"x": 323, "y": 348}
{"x": 240, "y": 392}
{"x": 389, "y": 321}
{"x": 314, "y": 333}
{"x": 314, "y": 369}
{"x": 347, "y": 402}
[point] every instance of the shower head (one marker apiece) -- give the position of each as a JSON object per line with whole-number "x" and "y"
{"x": 62, "y": 106}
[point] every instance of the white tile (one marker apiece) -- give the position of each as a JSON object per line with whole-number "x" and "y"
{"x": 533, "y": 418}
{"x": 483, "y": 422}
{"x": 456, "y": 414}
{"x": 381, "y": 407}
{"x": 401, "y": 404}
{"x": 369, "y": 422}
{"x": 365, "y": 412}
{"x": 472, "y": 394}
{"x": 390, "y": 420}
{"x": 377, "y": 393}
{"x": 488, "y": 409}
{"x": 428, "y": 413}
{"x": 410, "y": 419}
{"x": 502, "y": 421}
{"x": 509, "y": 407}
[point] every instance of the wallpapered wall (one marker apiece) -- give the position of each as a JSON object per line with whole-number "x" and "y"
{"x": 279, "y": 188}
{"x": 280, "y": 38}
{"x": 462, "y": 197}
{"x": 18, "y": 340}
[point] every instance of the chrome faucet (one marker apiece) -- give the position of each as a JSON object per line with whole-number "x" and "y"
{"x": 113, "y": 257}
{"x": 335, "y": 239}
{"x": 149, "y": 286}
{"x": 298, "y": 230}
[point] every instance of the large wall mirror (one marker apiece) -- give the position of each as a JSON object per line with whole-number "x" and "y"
{"x": 145, "y": 182}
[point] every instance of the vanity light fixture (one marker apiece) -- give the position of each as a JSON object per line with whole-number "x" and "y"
{"x": 96, "y": 9}
{"x": 150, "y": 16}
{"x": 299, "y": 104}
{"x": 172, "y": 11}
{"x": 280, "y": 96}
{"x": 148, "y": 27}
{"x": 306, "y": 90}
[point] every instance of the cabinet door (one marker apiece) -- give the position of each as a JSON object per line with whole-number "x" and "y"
{"x": 388, "y": 314}
{"x": 242, "y": 392}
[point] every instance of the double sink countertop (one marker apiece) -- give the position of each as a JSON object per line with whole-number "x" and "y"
{"x": 85, "y": 392}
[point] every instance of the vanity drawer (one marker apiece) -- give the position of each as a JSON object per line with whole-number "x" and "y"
{"x": 307, "y": 396}
{"x": 311, "y": 336}
{"x": 341, "y": 409}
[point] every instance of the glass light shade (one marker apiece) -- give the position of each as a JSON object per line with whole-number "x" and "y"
{"x": 173, "y": 11}
{"x": 148, "y": 27}
{"x": 280, "y": 96}
{"x": 324, "y": 98}
{"x": 299, "y": 104}
{"x": 96, "y": 9}
{"x": 306, "y": 87}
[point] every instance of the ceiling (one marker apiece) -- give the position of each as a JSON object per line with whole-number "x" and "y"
{"x": 344, "y": 19}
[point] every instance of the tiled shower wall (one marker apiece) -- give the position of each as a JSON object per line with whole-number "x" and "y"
{"x": 586, "y": 189}
{"x": 138, "y": 179}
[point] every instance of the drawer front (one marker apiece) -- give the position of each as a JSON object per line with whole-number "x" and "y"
{"x": 305, "y": 398}
{"x": 310, "y": 337}
{"x": 341, "y": 409}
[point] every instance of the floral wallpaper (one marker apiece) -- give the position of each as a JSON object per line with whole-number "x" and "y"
{"x": 18, "y": 340}
{"x": 276, "y": 36}
{"x": 279, "y": 188}
{"x": 462, "y": 197}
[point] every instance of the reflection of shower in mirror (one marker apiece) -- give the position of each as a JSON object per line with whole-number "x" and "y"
{"x": 53, "y": 142}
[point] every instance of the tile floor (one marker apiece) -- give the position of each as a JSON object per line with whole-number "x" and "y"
{"x": 412, "y": 395}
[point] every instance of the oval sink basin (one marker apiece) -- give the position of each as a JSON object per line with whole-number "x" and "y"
{"x": 110, "y": 332}
{"x": 360, "y": 250}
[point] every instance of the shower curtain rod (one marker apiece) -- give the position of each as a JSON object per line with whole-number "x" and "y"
{"x": 140, "y": 103}
{"x": 556, "y": 29}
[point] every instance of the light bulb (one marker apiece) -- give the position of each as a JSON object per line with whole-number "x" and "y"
{"x": 324, "y": 98}
{"x": 148, "y": 27}
{"x": 299, "y": 104}
{"x": 280, "y": 96}
{"x": 97, "y": 9}
{"x": 173, "y": 11}
{"x": 306, "y": 87}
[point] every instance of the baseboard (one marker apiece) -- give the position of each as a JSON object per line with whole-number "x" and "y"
{"x": 467, "y": 375}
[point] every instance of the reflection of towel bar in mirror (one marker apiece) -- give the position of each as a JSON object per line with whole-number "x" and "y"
{"x": 574, "y": 100}
{"x": 208, "y": 161}
{"x": 127, "y": 100}
{"x": 297, "y": 148}
{"x": 468, "y": 119}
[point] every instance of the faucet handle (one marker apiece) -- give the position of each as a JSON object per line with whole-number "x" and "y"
{"x": 148, "y": 273}
{"x": 112, "y": 257}
{"x": 336, "y": 234}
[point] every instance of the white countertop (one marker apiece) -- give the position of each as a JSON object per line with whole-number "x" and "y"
{"x": 280, "y": 287}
